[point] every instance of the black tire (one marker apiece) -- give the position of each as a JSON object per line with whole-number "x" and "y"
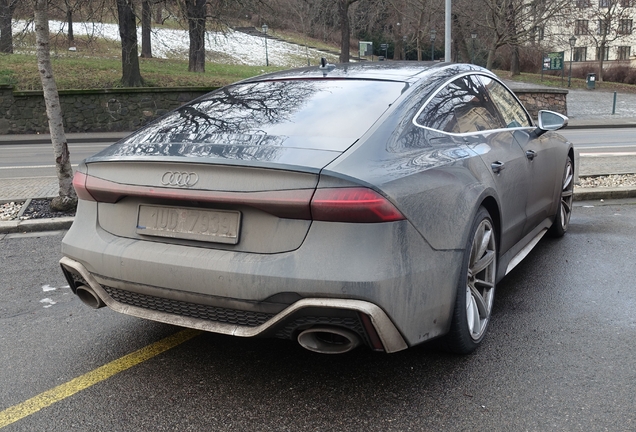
{"x": 476, "y": 287}
{"x": 562, "y": 219}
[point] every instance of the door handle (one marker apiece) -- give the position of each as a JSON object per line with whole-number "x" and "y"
{"x": 531, "y": 154}
{"x": 497, "y": 167}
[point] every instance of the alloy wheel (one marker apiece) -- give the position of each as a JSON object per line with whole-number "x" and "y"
{"x": 567, "y": 193}
{"x": 481, "y": 279}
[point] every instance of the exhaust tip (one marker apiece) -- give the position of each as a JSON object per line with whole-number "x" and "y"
{"x": 328, "y": 340}
{"x": 89, "y": 297}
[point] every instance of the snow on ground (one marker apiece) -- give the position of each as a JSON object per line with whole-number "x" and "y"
{"x": 229, "y": 47}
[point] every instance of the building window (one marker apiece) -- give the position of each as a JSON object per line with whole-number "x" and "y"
{"x": 604, "y": 52}
{"x": 605, "y": 3}
{"x": 581, "y": 27}
{"x": 583, "y": 3}
{"x": 624, "y": 52}
{"x": 627, "y": 3}
{"x": 625, "y": 26}
{"x": 538, "y": 33}
{"x": 603, "y": 27}
{"x": 580, "y": 54}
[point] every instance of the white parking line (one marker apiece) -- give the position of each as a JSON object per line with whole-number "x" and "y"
{"x": 607, "y": 154}
{"x": 31, "y": 167}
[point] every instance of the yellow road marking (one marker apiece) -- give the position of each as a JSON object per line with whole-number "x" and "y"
{"x": 56, "y": 394}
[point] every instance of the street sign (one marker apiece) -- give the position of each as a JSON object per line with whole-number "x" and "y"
{"x": 553, "y": 61}
{"x": 366, "y": 48}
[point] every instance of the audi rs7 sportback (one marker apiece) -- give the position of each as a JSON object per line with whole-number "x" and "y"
{"x": 371, "y": 204}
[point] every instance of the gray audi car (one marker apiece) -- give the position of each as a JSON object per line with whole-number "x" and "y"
{"x": 371, "y": 204}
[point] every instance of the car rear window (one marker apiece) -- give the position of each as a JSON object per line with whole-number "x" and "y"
{"x": 293, "y": 108}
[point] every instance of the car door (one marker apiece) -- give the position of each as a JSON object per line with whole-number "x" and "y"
{"x": 541, "y": 156}
{"x": 463, "y": 108}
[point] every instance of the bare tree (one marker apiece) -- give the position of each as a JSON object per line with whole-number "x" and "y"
{"x": 345, "y": 29}
{"x": 7, "y": 7}
{"x": 146, "y": 27}
{"x": 66, "y": 199}
{"x": 131, "y": 74}
{"x": 194, "y": 12}
{"x": 611, "y": 21}
{"x": 508, "y": 22}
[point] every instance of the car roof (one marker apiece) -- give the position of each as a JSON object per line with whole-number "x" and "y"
{"x": 404, "y": 71}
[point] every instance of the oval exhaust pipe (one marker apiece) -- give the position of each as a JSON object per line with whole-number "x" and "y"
{"x": 328, "y": 340}
{"x": 89, "y": 297}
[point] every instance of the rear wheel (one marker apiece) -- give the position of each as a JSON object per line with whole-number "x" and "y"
{"x": 476, "y": 289}
{"x": 562, "y": 218}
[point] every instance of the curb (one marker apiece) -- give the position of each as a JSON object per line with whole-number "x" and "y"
{"x": 71, "y": 138}
{"x": 64, "y": 223}
{"x": 36, "y": 225}
{"x": 586, "y": 194}
{"x": 600, "y": 126}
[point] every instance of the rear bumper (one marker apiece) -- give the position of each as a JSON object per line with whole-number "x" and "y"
{"x": 387, "y": 267}
{"x": 387, "y": 333}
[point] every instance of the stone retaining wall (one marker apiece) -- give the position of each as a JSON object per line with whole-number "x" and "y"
{"x": 126, "y": 109}
{"x": 536, "y": 99}
{"x": 101, "y": 110}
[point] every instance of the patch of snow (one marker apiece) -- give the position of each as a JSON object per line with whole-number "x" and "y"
{"x": 232, "y": 46}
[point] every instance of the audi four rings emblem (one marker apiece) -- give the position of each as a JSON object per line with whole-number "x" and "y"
{"x": 181, "y": 179}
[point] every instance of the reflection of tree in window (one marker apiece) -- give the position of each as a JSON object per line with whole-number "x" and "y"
{"x": 266, "y": 114}
{"x": 461, "y": 107}
{"x": 236, "y": 109}
{"x": 512, "y": 112}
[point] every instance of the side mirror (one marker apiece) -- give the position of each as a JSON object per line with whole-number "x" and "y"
{"x": 551, "y": 121}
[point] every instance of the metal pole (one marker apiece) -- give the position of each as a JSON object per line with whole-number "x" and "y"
{"x": 264, "y": 28}
{"x": 614, "y": 105}
{"x": 433, "y": 50}
{"x": 570, "y": 75}
{"x": 473, "y": 59}
{"x": 266, "y": 54}
{"x": 447, "y": 33}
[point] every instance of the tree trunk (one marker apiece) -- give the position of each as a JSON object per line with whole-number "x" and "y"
{"x": 195, "y": 14}
{"x": 159, "y": 13}
{"x": 601, "y": 58}
{"x": 69, "y": 21}
{"x": 131, "y": 75}
{"x": 345, "y": 29}
{"x": 146, "y": 26}
{"x": 67, "y": 199}
{"x": 514, "y": 61}
{"x": 6, "y": 16}
{"x": 491, "y": 56}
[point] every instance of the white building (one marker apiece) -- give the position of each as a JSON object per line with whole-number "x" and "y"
{"x": 590, "y": 29}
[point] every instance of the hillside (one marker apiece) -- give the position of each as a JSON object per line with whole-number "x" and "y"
{"x": 231, "y": 55}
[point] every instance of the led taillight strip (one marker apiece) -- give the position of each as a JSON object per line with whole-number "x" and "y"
{"x": 291, "y": 204}
{"x": 351, "y": 204}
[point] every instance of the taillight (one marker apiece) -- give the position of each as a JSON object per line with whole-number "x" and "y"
{"x": 356, "y": 204}
{"x": 79, "y": 183}
{"x": 352, "y": 205}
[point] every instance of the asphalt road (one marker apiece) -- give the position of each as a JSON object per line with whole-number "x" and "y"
{"x": 559, "y": 355}
{"x": 36, "y": 160}
{"x": 607, "y": 142}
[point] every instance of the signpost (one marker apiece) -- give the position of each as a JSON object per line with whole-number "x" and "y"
{"x": 553, "y": 61}
{"x": 384, "y": 47}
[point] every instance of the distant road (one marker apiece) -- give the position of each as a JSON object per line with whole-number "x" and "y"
{"x": 36, "y": 160}
{"x": 603, "y": 142}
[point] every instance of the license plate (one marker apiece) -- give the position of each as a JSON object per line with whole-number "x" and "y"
{"x": 219, "y": 226}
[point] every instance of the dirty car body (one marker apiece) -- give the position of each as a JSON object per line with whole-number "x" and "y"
{"x": 365, "y": 204}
